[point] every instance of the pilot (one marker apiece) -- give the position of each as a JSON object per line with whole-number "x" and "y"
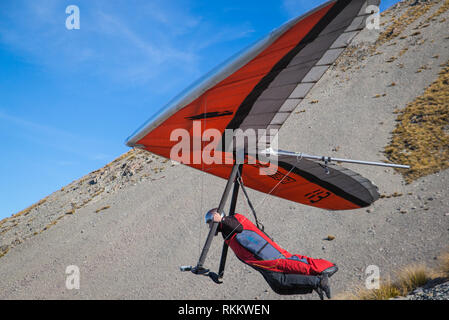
{"x": 284, "y": 272}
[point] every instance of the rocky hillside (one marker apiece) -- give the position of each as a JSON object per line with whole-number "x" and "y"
{"x": 131, "y": 168}
{"x": 431, "y": 292}
{"x": 129, "y": 225}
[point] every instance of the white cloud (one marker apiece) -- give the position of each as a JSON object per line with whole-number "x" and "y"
{"x": 115, "y": 43}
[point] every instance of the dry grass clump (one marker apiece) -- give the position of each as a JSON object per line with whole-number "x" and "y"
{"x": 24, "y": 211}
{"x": 421, "y": 137}
{"x": 354, "y": 54}
{"x": 14, "y": 221}
{"x": 51, "y": 224}
{"x": 434, "y": 16}
{"x": 442, "y": 9}
{"x": 398, "y": 25}
{"x": 443, "y": 264}
{"x": 3, "y": 250}
{"x": 412, "y": 277}
{"x": 386, "y": 290}
{"x": 407, "y": 279}
{"x": 102, "y": 208}
{"x": 123, "y": 156}
{"x": 403, "y": 51}
{"x": 394, "y": 195}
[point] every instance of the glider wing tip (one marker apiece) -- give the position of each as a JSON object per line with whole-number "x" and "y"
{"x": 373, "y": 196}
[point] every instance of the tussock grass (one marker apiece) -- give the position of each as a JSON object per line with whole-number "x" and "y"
{"x": 101, "y": 209}
{"x": 406, "y": 280}
{"x": 385, "y": 291}
{"x": 400, "y": 24}
{"x": 413, "y": 277}
{"x": 54, "y": 222}
{"x": 443, "y": 264}
{"x": 421, "y": 137}
{"x": 25, "y": 211}
{"x": 4, "y": 251}
{"x": 353, "y": 54}
{"x": 442, "y": 9}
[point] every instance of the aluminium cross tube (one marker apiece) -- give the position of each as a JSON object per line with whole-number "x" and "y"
{"x": 329, "y": 159}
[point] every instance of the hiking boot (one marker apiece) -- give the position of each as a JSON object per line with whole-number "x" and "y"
{"x": 323, "y": 286}
{"x": 330, "y": 271}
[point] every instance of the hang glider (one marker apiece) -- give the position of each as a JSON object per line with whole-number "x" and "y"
{"x": 258, "y": 90}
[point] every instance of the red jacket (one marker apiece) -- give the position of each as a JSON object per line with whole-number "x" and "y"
{"x": 256, "y": 249}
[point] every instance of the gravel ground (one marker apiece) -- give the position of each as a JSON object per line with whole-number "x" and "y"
{"x": 431, "y": 291}
{"x": 439, "y": 292}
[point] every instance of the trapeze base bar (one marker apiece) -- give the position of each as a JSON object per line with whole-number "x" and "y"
{"x": 186, "y": 268}
{"x": 195, "y": 270}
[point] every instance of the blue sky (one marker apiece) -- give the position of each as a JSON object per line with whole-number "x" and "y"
{"x": 69, "y": 98}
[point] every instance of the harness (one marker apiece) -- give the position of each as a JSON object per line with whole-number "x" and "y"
{"x": 240, "y": 181}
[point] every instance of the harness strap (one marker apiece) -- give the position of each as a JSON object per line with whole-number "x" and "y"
{"x": 258, "y": 224}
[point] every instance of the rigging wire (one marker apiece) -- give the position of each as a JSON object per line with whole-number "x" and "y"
{"x": 202, "y": 170}
{"x": 271, "y": 191}
{"x": 248, "y": 201}
{"x": 202, "y": 178}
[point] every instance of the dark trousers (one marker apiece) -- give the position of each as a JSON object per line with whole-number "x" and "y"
{"x": 288, "y": 283}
